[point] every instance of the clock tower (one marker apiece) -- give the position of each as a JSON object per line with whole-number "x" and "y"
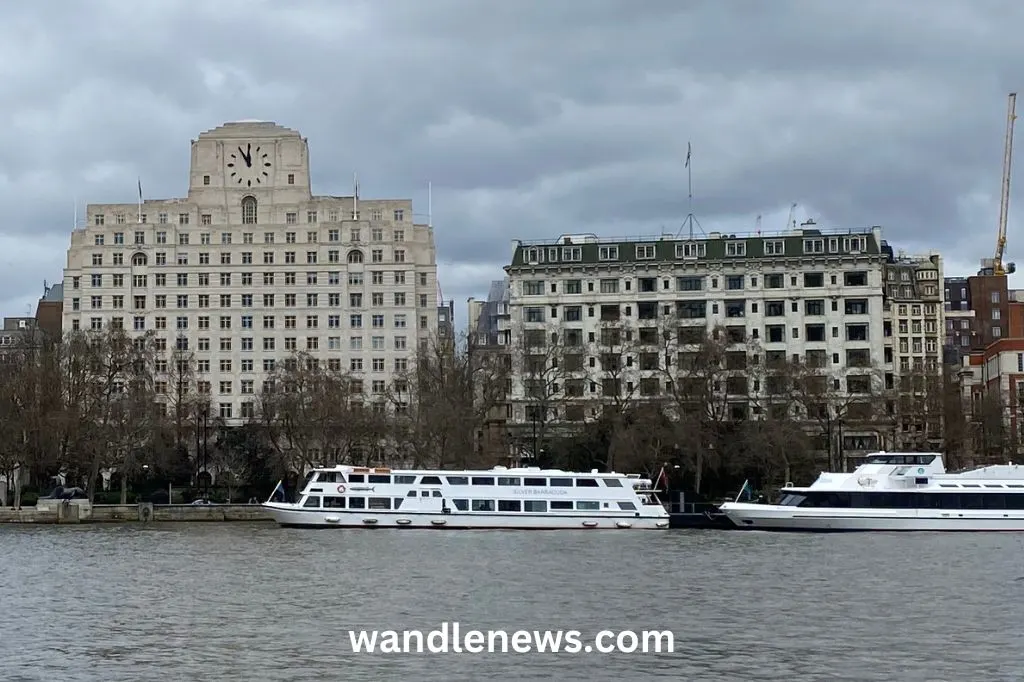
{"x": 258, "y": 158}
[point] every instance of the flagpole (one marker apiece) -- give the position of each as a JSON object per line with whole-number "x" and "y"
{"x": 742, "y": 490}
{"x": 430, "y": 204}
{"x": 140, "y": 200}
{"x": 76, "y": 213}
{"x": 689, "y": 187}
{"x": 355, "y": 196}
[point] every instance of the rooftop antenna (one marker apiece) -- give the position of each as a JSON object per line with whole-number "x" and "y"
{"x": 690, "y": 218}
{"x": 757, "y": 224}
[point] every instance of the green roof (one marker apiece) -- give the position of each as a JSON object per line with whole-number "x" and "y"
{"x": 714, "y": 248}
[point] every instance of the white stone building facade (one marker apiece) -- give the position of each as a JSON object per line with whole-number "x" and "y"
{"x": 810, "y": 294}
{"x": 250, "y": 267}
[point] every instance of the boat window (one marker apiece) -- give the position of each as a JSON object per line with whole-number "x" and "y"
{"x": 561, "y": 482}
{"x": 461, "y": 505}
{"x": 380, "y": 503}
{"x": 921, "y": 480}
{"x": 357, "y": 503}
{"x": 612, "y": 482}
{"x": 535, "y": 481}
{"x": 424, "y": 493}
{"x": 587, "y": 505}
{"x": 334, "y": 502}
{"x": 627, "y": 506}
{"x": 398, "y": 502}
{"x": 411, "y": 493}
{"x": 535, "y": 505}
{"x": 312, "y": 501}
{"x": 508, "y": 480}
{"x": 327, "y": 477}
{"x": 380, "y": 478}
{"x": 993, "y": 485}
{"x": 458, "y": 480}
{"x": 561, "y": 504}
{"x": 948, "y": 485}
{"x": 971, "y": 485}
{"x": 509, "y": 505}
{"x": 483, "y": 480}
{"x": 430, "y": 480}
{"x": 404, "y": 480}
{"x": 791, "y": 500}
{"x": 356, "y": 478}
{"x": 309, "y": 479}
{"x": 483, "y": 505}
{"x": 436, "y": 493}
{"x": 586, "y": 483}
{"x": 1015, "y": 485}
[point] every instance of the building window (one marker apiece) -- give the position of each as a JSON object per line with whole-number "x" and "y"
{"x": 249, "y": 211}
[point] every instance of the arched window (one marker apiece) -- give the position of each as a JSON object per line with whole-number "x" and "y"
{"x": 249, "y": 211}
{"x": 139, "y": 259}
{"x": 355, "y": 256}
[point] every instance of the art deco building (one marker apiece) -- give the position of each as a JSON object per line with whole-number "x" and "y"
{"x": 250, "y": 266}
{"x": 809, "y": 294}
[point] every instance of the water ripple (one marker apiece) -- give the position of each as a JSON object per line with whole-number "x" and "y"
{"x": 254, "y": 602}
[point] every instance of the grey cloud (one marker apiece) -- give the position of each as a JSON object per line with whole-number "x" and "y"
{"x": 531, "y": 118}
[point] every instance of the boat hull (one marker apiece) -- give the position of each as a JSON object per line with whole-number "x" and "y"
{"x": 769, "y": 517}
{"x": 288, "y": 515}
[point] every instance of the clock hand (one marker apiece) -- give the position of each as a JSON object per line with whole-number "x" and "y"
{"x": 245, "y": 157}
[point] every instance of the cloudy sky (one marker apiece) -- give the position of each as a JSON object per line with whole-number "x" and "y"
{"x": 531, "y": 118}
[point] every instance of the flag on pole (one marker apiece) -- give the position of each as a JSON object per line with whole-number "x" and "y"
{"x": 745, "y": 490}
{"x": 140, "y": 200}
{"x": 279, "y": 488}
{"x": 662, "y": 479}
{"x": 688, "y": 151}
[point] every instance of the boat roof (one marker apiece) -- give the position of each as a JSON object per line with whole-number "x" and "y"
{"x": 494, "y": 471}
{"x": 897, "y": 471}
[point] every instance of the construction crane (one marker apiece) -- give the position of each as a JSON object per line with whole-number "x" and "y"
{"x": 1004, "y": 200}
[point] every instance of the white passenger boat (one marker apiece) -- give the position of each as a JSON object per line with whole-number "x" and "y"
{"x": 519, "y": 498}
{"x": 895, "y": 491}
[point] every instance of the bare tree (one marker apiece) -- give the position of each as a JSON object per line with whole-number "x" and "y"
{"x": 110, "y": 390}
{"x": 995, "y": 441}
{"x": 706, "y": 378}
{"x": 776, "y": 440}
{"x": 836, "y": 402}
{"x": 29, "y": 407}
{"x": 539, "y": 362}
{"x": 918, "y": 406}
{"x": 441, "y": 403}
{"x": 308, "y": 411}
{"x": 619, "y": 353}
{"x": 957, "y": 429}
{"x": 186, "y": 404}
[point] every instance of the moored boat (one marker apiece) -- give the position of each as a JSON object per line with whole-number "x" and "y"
{"x": 895, "y": 492}
{"x": 498, "y": 498}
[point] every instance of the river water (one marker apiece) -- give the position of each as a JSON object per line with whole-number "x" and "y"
{"x": 258, "y": 603}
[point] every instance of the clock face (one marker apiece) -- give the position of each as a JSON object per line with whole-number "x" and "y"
{"x": 248, "y": 166}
